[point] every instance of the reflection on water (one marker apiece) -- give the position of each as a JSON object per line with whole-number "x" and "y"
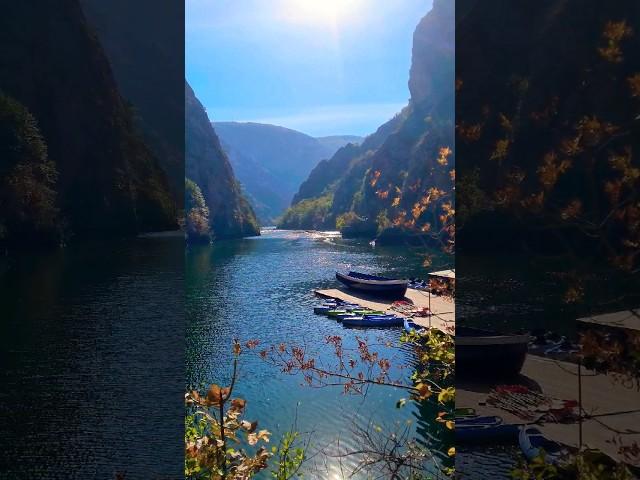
{"x": 262, "y": 288}
{"x": 80, "y": 330}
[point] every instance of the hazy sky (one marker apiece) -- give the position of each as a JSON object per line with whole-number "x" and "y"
{"x": 319, "y": 66}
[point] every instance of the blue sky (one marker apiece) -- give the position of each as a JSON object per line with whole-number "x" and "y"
{"x": 323, "y": 67}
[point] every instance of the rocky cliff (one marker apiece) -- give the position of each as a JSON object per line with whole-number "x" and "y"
{"x": 378, "y": 186}
{"x": 145, "y": 47}
{"x": 53, "y": 65}
{"x": 207, "y": 165}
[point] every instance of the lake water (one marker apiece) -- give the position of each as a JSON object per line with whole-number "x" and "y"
{"x": 80, "y": 330}
{"x": 262, "y": 288}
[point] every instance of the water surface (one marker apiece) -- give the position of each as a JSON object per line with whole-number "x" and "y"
{"x": 262, "y": 288}
{"x": 81, "y": 328}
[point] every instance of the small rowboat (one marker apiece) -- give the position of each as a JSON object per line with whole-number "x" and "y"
{"x": 483, "y": 353}
{"x": 341, "y": 316}
{"x": 487, "y": 434}
{"x": 411, "y": 326}
{"x": 373, "y": 322}
{"x": 478, "y": 421}
{"x": 465, "y": 412}
{"x": 367, "y": 312}
{"x": 533, "y": 443}
{"x": 335, "y": 312}
{"x": 323, "y": 309}
{"x": 374, "y": 285}
{"x": 350, "y": 307}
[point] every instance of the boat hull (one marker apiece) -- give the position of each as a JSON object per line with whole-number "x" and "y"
{"x": 481, "y": 354}
{"x": 411, "y": 326}
{"x": 373, "y": 322}
{"x": 394, "y": 289}
{"x": 532, "y": 443}
{"x": 487, "y": 434}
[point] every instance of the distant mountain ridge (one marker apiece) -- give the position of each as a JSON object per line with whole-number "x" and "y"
{"x": 271, "y": 161}
{"x": 336, "y": 142}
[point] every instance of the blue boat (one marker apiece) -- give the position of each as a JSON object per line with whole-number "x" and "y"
{"x": 478, "y": 421}
{"x": 373, "y": 322}
{"x": 533, "y": 443}
{"x": 323, "y": 309}
{"x": 341, "y": 316}
{"x": 349, "y": 307}
{"x": 410, "y": 326}
{"x": 487, "y": 434}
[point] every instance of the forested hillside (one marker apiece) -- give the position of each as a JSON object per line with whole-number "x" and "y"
{"x": 271, "y": 161}
{"x": 230, "y": 215}
{"x": 55, "y": 78}
{"x": 401, "y": 178}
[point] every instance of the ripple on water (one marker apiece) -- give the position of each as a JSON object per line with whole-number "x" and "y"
{"x": 261, "y": 289}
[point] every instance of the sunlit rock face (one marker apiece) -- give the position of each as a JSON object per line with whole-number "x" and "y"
{"x": 433, "y": 60}
{"x": 402, "y": 155}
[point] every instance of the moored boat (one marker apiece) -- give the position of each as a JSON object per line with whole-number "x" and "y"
{"x": 465, "y": 412}
{"x": 379, "y": 322}
{"x": 487, "y": 434}
{"x": 478, "y": 421}
{"x": 533, "y": 443}
{"x": 484, "y": 353}
{"x": 374, "y": 285}
{"x": 367, "y": 312}
{"x": 410, "y": 325}
{"x": 323, "y": 309}
{"x": 342, "y": 316}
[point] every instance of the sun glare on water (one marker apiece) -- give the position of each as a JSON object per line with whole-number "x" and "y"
{"x": 321, "y": 11}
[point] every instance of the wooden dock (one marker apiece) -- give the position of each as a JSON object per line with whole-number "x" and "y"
{"x": 443, "y": 318}
{"x": 613, "y": 408}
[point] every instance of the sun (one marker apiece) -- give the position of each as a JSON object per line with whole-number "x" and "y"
{"x": 321, "y": 11}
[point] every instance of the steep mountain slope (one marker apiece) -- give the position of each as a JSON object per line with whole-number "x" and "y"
{"x": 400, "y": 177}
{"x": 108, "y": 179}
{"x": 548, "y": 130}
{"x": 230, "y": 214}
{"x": 28, "y": 213}
{"x": 271, "y": 161}
{"x": 145, "y": 47}
{"x": 323, "y": 177}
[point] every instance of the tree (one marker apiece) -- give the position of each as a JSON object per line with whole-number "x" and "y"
{"x": 28, "y": 211}
{"x": 222, "y": 445}
{"x": 197, "y": 214}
